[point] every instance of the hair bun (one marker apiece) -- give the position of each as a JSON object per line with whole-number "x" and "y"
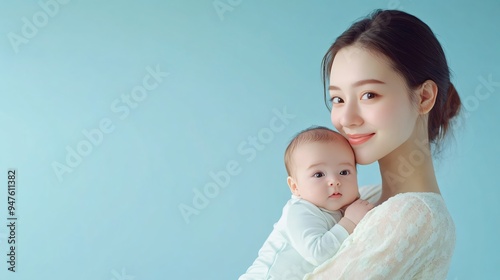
{"x": 450, "y": 109}
{"x": 453, "y": 103}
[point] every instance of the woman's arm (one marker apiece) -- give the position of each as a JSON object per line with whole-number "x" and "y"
{"x": 404, "y": 238}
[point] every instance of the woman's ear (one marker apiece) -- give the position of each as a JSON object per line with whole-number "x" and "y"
{"x": 427, "y": 96}
{"x": 293, "y": 186}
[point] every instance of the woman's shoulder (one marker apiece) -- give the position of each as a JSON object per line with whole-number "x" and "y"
{"x": 421, "y": 200}
{"x": 410, "y": 208}
{"x": 414, "y": 213}
{"x": 417, "y": 209}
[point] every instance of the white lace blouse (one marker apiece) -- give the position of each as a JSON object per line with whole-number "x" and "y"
{"x": 409, "y": 236}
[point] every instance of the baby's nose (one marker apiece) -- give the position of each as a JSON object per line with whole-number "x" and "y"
{"x": 334, "y": 183}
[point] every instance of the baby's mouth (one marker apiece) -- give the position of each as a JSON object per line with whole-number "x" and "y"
{"x": 336, "y": 195}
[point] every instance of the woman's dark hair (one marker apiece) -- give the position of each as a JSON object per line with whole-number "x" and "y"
{"x": 414, "y": 52}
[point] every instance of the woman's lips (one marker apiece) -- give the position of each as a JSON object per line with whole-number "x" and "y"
{"x": 358, "y": 139}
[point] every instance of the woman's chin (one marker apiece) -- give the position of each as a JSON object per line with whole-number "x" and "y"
{"x": 365, "y": 159}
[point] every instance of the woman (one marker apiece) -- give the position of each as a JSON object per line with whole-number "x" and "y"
{"x": 390, "y": 94}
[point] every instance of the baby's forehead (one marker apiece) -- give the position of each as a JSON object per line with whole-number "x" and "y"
{"x": 320, "y": 135}
{"x": 331, "y": 138}
{"x": 305, "y": 147}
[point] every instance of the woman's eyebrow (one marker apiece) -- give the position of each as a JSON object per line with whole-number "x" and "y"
{"x": 359, "y": 83}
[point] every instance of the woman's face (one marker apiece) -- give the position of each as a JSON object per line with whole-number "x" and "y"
{"x": 371, "y": 106}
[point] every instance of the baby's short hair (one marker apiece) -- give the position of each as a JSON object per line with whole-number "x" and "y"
{"x": 308, "y": 135}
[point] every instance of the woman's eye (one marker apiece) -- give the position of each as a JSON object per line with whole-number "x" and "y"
{"x": 318, "y": 174}
{"x": 336, "y": 100}
{"x": 345, "y": 172}
{"x": 368, "y": 95}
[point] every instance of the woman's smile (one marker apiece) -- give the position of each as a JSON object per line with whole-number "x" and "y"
{"x": 358, "y": 139}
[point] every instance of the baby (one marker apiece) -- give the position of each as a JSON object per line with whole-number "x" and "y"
{"x": 324, "y": 208}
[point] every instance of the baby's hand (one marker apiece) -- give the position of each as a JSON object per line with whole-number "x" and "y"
{"x": 357, "y": 210}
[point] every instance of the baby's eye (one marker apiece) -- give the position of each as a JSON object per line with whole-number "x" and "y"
{"x": 345, "y": 172}
{"x": 369, "y": 95}
{"x": 318, "y": 174}
{"x": 336, "y": 100}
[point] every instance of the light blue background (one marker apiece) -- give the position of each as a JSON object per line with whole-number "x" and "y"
{"x": 117, "y": 213}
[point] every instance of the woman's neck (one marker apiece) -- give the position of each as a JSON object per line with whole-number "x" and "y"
{"x": 408, "y": 168}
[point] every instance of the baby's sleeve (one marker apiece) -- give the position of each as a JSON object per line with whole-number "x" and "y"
{"x": 397, "y": 241}
{"x": 311, "y": 235}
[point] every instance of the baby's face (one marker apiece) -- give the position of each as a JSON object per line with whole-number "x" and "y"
{"x": 325, "y": 174}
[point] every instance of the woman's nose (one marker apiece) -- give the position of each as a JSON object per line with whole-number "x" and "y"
{"x": 349, "y": 116}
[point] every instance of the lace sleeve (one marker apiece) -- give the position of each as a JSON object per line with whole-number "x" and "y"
{"x": 404, "y": 238}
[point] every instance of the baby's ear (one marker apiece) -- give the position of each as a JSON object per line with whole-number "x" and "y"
{"x": 293, "y": 186}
